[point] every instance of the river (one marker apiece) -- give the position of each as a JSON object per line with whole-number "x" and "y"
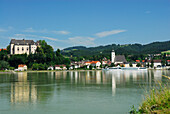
{"x": 76, "y": 92}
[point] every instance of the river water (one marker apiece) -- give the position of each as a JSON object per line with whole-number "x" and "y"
{"x": 76, "y": 92}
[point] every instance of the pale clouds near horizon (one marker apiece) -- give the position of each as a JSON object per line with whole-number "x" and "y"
{"x": 81, "y": 40}
{"x": 77, "y": 40}
{"x": 2, "y": 30}
{"x": 108, "y": 33}
{"x": 19, "y": 36}
{"x": 31, "y": 30}
{"x": 53, "y": 37}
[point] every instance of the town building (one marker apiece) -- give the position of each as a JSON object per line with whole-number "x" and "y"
{"x": 60, "y": 67}
{"x": 156, "y": 63}
{"x": 168, "y": 62}
{"x": 3, "y": 49}
{"x": 50, "y": 68}
{"x": 96, "y": 64}
{"x": 23, "y": 46}
{"x": 93, "y": 63}
{"x": 117, "y": 59}
{"x": 22, "y": 67}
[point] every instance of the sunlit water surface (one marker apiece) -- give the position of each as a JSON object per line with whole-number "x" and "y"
{"x": 76, "y": 92}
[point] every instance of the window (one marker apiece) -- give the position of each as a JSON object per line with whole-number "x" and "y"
{"x": 27, "y": 48}
{"x": 22, "y": 49}
{"x": 18, "y": 48}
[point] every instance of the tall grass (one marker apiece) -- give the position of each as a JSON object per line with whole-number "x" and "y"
{"x": 156, "y": 102}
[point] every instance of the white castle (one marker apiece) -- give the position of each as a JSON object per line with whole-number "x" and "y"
{"x": 23, "y": 46}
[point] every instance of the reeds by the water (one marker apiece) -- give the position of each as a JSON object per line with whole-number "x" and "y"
{"x": 156, "y": 102}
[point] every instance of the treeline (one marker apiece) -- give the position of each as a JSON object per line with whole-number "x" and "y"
{"x": 44, "y": 57}
{"x": 131, "y": 51}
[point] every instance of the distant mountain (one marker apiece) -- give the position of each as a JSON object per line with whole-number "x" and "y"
{"x": 128, "y": 49}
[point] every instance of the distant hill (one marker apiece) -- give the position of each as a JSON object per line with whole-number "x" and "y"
{"x": 128, "y": 49}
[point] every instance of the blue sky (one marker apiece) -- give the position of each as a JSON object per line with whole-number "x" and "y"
{"x": 65, "y": 23}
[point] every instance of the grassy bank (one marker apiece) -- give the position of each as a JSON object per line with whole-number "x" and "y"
{"x": 156, "y": 102}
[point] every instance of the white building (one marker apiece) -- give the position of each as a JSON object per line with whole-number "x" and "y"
{"x": 156, "y": 63}
{"x": 22, "y": 67}
{"x": 23, "y": 46}
{"x": 93, "y": 63}
{"x": 113, "y": 56}
{"x": 60, "y": 67}
{"x": 50, "y": 68}
{"x": 117, "y": 59}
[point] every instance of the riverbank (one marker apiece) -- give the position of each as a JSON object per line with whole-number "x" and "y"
{"x": 11, "y": 71}
{"x": 156, "y": 102}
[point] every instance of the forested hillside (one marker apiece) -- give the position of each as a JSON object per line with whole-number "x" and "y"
{"x": 128, "y": 49}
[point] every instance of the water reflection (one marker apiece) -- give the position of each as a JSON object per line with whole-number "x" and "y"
{"x": 22, "y": 91}
{"x": 33, "y": 87}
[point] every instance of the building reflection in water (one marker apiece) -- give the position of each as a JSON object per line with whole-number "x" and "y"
{"x": 22, "y": 91}
{"x": 157, "y": 76}
{"x": 117, "y": 78}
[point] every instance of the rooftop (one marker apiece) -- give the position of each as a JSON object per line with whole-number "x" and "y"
{"x": 22, "y": 42}
{"x": 120, "y": 58}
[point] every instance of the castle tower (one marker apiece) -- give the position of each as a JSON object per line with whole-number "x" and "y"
{"x": 113, "y": 56}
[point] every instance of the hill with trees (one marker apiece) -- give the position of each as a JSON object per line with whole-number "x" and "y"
{"x": 135, "y": 50}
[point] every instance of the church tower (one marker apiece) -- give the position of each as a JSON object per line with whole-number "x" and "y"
{"x": 113, "y": 56}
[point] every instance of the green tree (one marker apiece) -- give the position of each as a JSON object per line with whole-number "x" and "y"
{"x": 100, "y": 66}
{"x": 35, "y": 66}
{"x": 4, "y": 65}
{"x": 152, "y": 64}
{"x": 130, "y": 64}
{"x": 68, "y": 67}
{"x": 90, "y": 67}
{"x": 61, "y": 67}
{"x": 163, "y": 62}
{"x": 15, "y": 60}
{"x": 147, "y": 65}
{"x": 112, "y": 65}
{"x": 138, "y": 65}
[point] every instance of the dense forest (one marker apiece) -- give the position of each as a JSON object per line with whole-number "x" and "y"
{"x": 44, "y": 57}
{"x": 135, "y": 51}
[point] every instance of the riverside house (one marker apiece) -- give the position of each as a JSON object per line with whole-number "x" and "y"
{"x": 60, "y": 67}
{"x": 22, "y": 67}
{"x": 93, "y": 63}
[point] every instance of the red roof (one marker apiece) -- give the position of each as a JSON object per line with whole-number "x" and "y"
{"x": 143, "y": 60}
{"x": 157, "y": 61}
{"x": 94, "y": 62}
{"x": 21, "y": 65}
{"x": 137, "y": 60}
{"x": 88, "y": 62}
{"x": 168, "y": 60}
{"x": 60, "y": 65}
{"x": 3, "y": 49}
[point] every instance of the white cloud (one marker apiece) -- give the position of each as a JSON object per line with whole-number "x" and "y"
{"x": 79, "y": 40}
{"x": 31, "y": 30}
{"x": 61, "y": 32}
{"x": 49, "y": 38}
{"x": 2, "y": 30}
{"x": 108, "y": 33}
{"x": 19, "y": 36}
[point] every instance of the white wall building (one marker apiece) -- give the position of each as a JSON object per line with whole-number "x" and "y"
{"x": 23, "y": 46}
{"x": 22, "y": 67}
{"x": 113, "y": 56}
{"x": 117, "y": 59}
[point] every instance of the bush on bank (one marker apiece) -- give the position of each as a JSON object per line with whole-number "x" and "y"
{"x": 157, "y": 102}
